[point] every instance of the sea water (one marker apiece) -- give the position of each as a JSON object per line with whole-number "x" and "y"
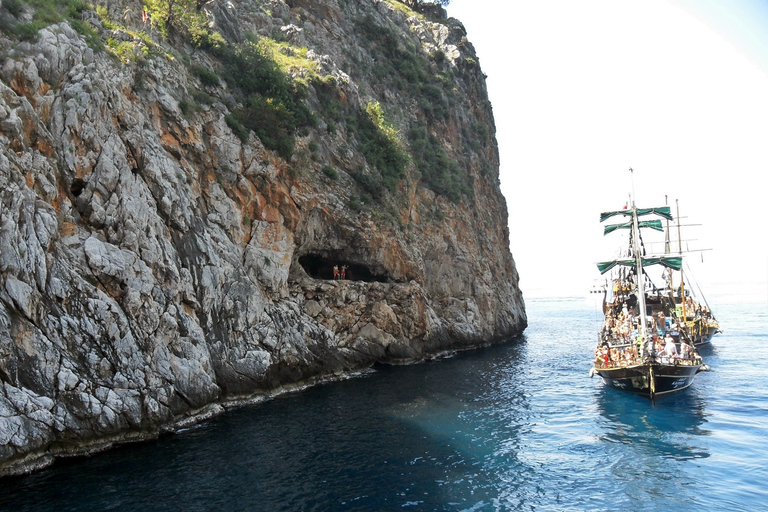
{"x": 517, "y": 426}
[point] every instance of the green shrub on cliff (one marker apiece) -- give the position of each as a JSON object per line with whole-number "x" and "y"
{"x": 126, "y": 51}
{"x": 331, "y": 108}
{"x": 185, "y": 18}
{"x": 400, "y": 63}
{"x": 292, "y": 60}
{"x": 207, "y": 77}
{"x": 48, "y": 12}
{"x": 14, "y": 7}
{"x": 439, "y": 172}
{"x": 397, "y": 60}
{"x": 330, "y": 172}
{"x": 269, "y": 103}
{"x": 380, "y": 144}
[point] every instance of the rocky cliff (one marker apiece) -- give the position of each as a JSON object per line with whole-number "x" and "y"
{"x": 174, "y": 197}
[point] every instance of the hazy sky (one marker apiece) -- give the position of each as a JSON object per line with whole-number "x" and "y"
{"x": 582, "y": 91}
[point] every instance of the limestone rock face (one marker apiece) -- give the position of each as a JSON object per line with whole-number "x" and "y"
{"x": 155, "y": 267}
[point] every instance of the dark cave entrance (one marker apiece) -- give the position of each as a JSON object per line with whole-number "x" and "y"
{"x": 77, "y": 187}
{"x": 320, "y": 267}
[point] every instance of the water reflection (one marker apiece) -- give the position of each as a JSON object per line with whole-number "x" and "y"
{"x": 670, "y": 427}
{"x": 475, "y": 406}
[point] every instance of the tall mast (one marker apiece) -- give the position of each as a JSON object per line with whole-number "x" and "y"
{"x": 639, "y": 262}
{"x": 680, "y": 249}
{"x": 640, "y": 274}
{"x": 668, "y": 250}
{"x": 666, "y": 232}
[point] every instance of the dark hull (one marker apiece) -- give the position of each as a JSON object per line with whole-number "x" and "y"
{"x": 704, "y": 335}
{"x": 649, "y": 379}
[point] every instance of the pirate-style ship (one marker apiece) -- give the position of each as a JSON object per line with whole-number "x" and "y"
{"x": 648, "y": 341}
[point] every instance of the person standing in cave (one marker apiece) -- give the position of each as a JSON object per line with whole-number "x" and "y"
{"x": 335, "y": 272}
{"x": 343, "y": 271}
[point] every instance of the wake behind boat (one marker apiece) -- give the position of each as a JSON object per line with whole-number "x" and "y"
{"x": 647, "y": 344}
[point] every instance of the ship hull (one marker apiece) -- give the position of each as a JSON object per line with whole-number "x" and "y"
{"x": 649, "y": 379}
{"x": 704, "y": 334}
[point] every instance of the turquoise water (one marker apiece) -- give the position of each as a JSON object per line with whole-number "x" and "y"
{"x": 519, "y": 426}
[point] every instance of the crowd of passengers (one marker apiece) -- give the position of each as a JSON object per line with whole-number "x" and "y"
{"x": 622, "y": 342}
{"x": 694, "y": 310}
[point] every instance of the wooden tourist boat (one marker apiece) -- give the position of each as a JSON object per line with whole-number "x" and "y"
{"x": 647, "y": 344}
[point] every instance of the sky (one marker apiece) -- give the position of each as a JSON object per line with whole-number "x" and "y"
{"x": 676, "y": 90}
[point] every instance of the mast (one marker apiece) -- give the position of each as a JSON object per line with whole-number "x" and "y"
{"x": 666, "y": 233}
{"x": 640, "y": 275}
{"x": 668, "y": 250}
{"x": 639, "y": 263}
{"x": 680, "y": 250}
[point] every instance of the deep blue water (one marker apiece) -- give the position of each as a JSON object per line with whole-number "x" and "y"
{"x": 519, "y": 426}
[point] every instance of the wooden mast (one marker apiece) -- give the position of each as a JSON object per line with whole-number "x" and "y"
{"x": 636, "y": 249}
{"x": 680, "y": 251}
{"x": 640, "y": 276}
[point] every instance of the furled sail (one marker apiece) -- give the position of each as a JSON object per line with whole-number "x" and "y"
{"x": 653, "y": 224}
{"x": 673, "y": 262}
{"x": 662, "y": 211}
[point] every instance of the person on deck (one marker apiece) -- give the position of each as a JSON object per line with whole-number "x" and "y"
{"x": 669, "y": 348}
{"x": 685, "y": 350}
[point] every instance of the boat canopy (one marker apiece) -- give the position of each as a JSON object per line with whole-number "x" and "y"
{"x": 662, "y": 211}
{"x": 673, "y": 262}
{"x": 653, "y": 224}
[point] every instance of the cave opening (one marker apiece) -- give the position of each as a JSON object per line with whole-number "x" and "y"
{"x": 78, "y": 185}
{"x": 320, "y": 267}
